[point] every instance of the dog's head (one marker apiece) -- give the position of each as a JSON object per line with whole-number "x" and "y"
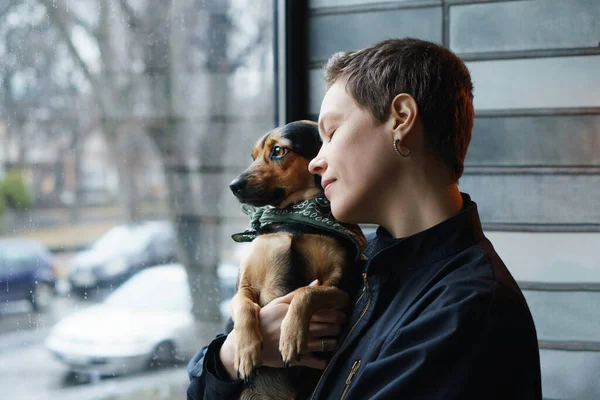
{"x": 279, "y": 175}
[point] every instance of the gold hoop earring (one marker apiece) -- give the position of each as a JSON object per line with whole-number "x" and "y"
{"x": 403, "y": 151}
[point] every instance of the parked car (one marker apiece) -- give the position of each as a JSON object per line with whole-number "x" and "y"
{"x": 120, "y": 253}
{"x": 145, "y": 323}
{"x": 27, "y": 272}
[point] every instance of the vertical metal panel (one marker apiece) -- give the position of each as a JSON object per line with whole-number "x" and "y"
{"x": 279, "y": 57}
{"x": 296, "y": 19}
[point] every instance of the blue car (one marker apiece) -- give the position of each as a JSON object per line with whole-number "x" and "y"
{"x": 26, "y": 273}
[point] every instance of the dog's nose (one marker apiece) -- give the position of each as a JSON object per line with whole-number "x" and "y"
{"x": 237, "y": 185}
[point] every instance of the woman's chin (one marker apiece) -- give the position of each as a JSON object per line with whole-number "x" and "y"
{"x": 351, "y": 211}
{"x": 341, "y": 213}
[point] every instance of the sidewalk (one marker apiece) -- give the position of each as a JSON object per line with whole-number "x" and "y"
{"x": 53, "y": 228}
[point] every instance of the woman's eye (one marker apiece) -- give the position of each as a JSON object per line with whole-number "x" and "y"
{"x": 279, "y": 152}
{"x": 331, "y": 134}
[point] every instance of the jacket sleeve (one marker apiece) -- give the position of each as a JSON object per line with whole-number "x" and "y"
{"x": 477, "y": 346}
{"x": 208, "y": 379}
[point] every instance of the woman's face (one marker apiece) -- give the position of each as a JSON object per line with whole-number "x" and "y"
{"x": 357, "y": 159}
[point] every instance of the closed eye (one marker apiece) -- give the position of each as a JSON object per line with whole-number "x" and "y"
{"x": 278, "y": 152}
{"x": 330, "y": 136}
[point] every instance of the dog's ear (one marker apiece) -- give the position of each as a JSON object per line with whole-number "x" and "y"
{"x": 304, "y": 136}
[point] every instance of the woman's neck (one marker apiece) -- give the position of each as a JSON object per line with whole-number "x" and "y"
{"x": 423, "y": 204}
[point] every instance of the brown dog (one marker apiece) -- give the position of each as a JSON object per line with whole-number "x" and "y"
{"x": 295, "y": 240}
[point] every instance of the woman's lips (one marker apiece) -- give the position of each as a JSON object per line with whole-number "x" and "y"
{"x": 327, "y": 185}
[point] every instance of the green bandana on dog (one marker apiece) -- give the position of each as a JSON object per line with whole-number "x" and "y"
{"x": 314, "y": 212}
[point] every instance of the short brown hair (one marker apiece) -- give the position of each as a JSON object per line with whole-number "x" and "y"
{"x": 435, "y": 77}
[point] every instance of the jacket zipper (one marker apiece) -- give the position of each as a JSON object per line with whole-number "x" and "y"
{"x": 360, "y": 297}
{"x": 362, "y": 314}
{"x": 353, "y": 371}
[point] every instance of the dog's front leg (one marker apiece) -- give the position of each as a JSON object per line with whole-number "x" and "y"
{"x": 248, "y": 339}
{"x": 293, "y": 340}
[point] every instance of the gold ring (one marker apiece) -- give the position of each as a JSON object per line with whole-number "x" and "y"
{"x": 324, "y": 346}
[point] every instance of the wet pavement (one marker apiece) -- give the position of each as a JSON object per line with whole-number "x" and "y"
{"x": 29, "y": 372}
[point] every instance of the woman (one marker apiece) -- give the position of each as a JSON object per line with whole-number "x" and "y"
{"x": 439, "y": 316}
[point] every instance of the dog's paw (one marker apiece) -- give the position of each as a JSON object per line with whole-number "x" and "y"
{"x": 248, "y": 355}
{"x": 293, "y": 340}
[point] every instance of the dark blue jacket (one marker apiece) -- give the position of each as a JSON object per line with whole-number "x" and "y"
{"x": 439, "y": 317}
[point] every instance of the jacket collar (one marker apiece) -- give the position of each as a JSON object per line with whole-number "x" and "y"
{"x": 434, "y": 244}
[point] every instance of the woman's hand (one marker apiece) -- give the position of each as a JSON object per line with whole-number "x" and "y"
{"x": 324, "y": 325}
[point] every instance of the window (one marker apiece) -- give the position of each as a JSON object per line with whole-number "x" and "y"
{"x": 121, "y": 124}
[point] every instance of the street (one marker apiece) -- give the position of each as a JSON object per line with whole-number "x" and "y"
{"x": 28, "y": 371}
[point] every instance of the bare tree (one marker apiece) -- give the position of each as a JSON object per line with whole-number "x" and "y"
{"x": 145, "y": 52}
{"x": 44, "y": 107}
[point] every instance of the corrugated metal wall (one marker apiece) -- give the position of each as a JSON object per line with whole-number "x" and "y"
{"x": 534, "y": 160}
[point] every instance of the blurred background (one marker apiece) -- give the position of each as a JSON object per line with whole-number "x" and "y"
{"x": 123, "y": 121}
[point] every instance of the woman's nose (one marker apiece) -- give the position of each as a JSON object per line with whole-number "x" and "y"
{"x": 317, "y": 165}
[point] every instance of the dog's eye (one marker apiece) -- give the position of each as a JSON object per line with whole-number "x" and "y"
{"x": 278, "y": 152}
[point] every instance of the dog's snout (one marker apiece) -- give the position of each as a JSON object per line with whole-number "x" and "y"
{"x": 237, "y": 185}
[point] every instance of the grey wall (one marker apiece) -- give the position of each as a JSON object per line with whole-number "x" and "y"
{"x": 534, "y": 161}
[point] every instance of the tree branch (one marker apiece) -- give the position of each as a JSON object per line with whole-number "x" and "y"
{"x": 240, "y": 58}
{"x": 5, "y": 8}
{"x": 55, "y": 16}
{"x": 134, "y": 21}
{"x": 87, "y": 27}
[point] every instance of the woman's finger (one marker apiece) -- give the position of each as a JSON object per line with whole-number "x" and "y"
{"x": 317, "y": 329}
{"x": 283, "y": 299}
{"x": 327, "y": 344}
{"x": 330, "y": 317}
{"x": 288, "y": 297}
{"x": 311, "y": 362}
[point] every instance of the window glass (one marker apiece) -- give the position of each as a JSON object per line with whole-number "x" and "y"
{"x": 122, "y": 123}
{"x": 121, "y": 239}
{"x": 143, "y": 293}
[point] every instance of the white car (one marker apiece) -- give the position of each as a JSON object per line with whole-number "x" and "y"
{"x": 146, "y": 322}
{"x": 227, "y": 272}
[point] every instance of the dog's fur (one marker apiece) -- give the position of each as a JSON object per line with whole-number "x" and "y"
{"x": 282, "y": 258}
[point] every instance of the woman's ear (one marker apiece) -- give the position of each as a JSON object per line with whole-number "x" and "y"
{"x": 404, "y": 112}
